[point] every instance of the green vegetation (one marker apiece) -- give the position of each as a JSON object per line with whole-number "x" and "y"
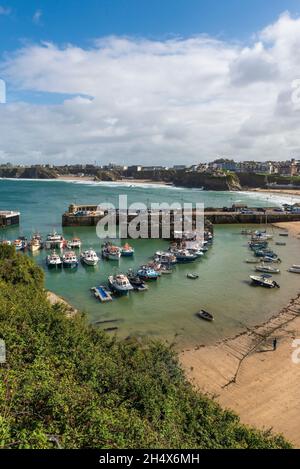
{"x": 66, "y": 384}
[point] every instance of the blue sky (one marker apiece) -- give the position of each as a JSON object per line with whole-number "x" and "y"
{"x": 79, "y": 21}
{"x": 162, "y": 81}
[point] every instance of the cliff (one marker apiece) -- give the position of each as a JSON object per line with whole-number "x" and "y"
{"x": 36, "y": 172}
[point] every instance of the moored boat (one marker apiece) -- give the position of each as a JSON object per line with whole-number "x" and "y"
{"x": 54, "y": 241}
{"x": 264, "y": 281}
{"x": 268, "y": 269}
{"x": 89, "y": 257}
{"x": 147, "y": 273}
{"x": 127, "y": 250}
{"x": 111, "y": 252}
{"x": 20, "y": 244}
{"x": 183, "y": 256}
{"x": 165, "y": 258}
{"x": 75, "y": 243}
{"x": 136, "y": 281}
{"x": 120, "y": 284}
{"x": 53, "y": 260}
{"x": 35, "y": 243}
{"x": 70, "y": 260}
{"x": 294, "y": 269}
{"x": 193, "y": 276}
{"x": 202, "y": 314}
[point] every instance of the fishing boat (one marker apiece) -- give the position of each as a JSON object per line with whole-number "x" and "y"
{"x": 183, "y": 256}
{"x": 120, "y": 284}
{"x": 264, "y": 281}
{"x": 89, "y": 257}
{"x": 136, "y": 281}
{"x": 75, "y": 243}
{"x": 53, "y": 261}
{"x": 102, "y": 294}
{"x": 70, "y": 260}
{"x": 265, "y": 253}
{"x": 19, "y": 246}
{"x": 193, "y": 276}
{"x": 35, "y": 243}
{"x": 271, "y": 260}
{"x": 127, "y": 250}
{"x": 166, "y": 269}
{"x": 5, "y": 242}
{"x": 148, "y": 273}
{"x": 198, "y": 252}
{"x": 268, "y": 269}
{"x": 165, "y": 258}
{"x": 110, "y": 252}
{"x": 205, "y": 315}
{"x": 54, "y": 241}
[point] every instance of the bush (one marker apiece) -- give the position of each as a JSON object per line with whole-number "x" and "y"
{"x": 67, "y": 384}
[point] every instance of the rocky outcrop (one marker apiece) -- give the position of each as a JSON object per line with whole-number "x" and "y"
{"x": 35, "y": 172}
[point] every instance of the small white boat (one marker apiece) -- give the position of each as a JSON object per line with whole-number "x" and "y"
{"x": 53, "y": 260}
{"x": 268, "y": 269}
{"x": 294, "y": 269}
{"x": 264, "y": 281}
{"x": 75, "y": 243}
{"x": 110, "y": 252}
{"x": 70, "y": 260}
{"x": 54, "y": 241}
{"x": 183, "y": 256}
{"x": 120, "y": 284}
{"x": 165, "y": 258}
{"x": 193, "y": 276}
{"x": 89, "y": 257}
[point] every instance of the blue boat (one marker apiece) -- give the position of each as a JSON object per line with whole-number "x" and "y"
{"x": 127, "y": 251}
{"x": 147, "y": 273}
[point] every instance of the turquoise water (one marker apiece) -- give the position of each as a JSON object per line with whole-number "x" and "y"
{"x": 167, "y": 310}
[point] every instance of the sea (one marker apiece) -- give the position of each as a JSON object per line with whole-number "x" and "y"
{"x": 167, "y": 311}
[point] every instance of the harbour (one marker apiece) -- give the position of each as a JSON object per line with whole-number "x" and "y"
{"x": 167, "y": 311}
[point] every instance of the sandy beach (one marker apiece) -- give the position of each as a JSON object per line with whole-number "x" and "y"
{"x": 292, "y": 192}
{"x": 72, "y": 177}
{"x": 246, "y": 375}
{"x": 56, "y": 299}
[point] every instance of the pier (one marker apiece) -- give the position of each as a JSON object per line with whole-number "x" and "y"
{"x": 89, "y": 215}
{"x": 9, "y": 218}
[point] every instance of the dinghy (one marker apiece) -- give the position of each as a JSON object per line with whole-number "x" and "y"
{"x": 205, "y": 315}
{"x": 193, "y": 276}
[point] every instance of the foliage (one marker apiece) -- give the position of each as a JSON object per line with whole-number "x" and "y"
{"x": 67, "y": 384}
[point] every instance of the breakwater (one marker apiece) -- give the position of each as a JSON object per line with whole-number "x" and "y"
{"x": 90, "y": 215}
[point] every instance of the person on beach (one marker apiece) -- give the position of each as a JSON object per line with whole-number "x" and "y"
{"x": 275, "y": 344}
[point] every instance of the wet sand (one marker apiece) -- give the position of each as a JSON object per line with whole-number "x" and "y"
{"x": 246, "y": 375}
{"x": 56, "y": 299}
{"x": 295, "y": 192}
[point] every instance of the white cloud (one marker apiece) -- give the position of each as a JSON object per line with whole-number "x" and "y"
{"x": 37, "y": 16}
{"x": 136, "y": 100}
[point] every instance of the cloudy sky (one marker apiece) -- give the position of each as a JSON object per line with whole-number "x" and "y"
{"x": 148, "y": 88}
